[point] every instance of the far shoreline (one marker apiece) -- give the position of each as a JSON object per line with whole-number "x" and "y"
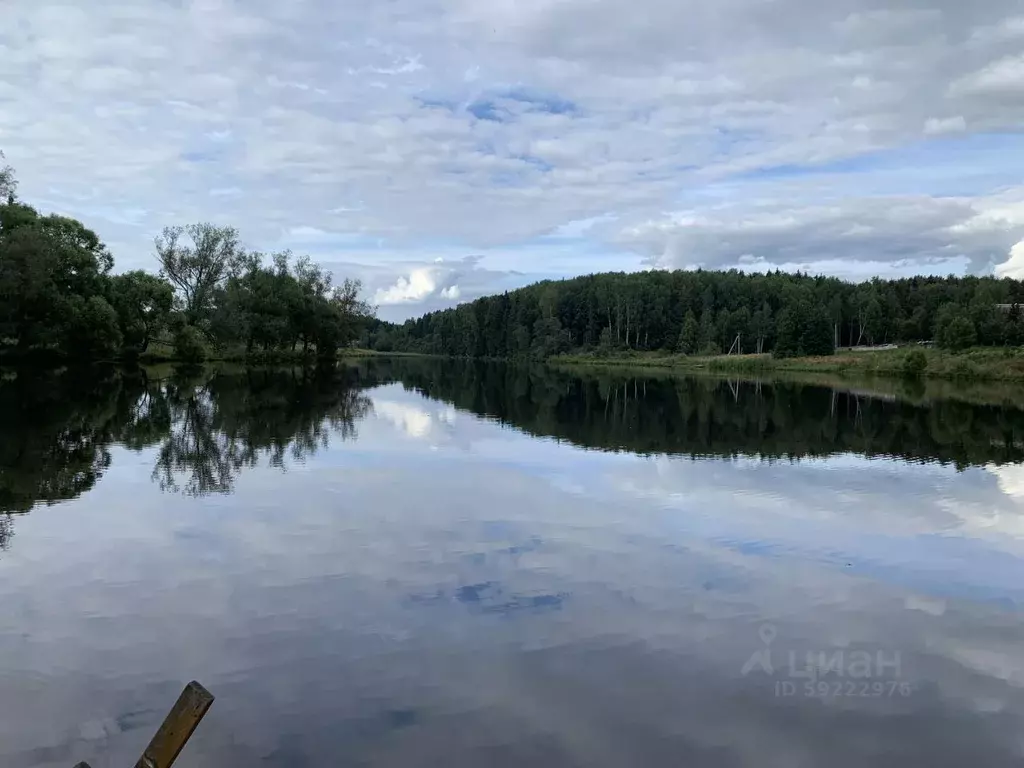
{"x": 975, "y": 364}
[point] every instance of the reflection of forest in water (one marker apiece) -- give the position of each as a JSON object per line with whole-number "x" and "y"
{"x": 614, "y": 409}
{"x": 207, "y": 427}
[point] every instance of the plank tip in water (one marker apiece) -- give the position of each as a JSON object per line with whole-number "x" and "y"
{"x": 199, "y": 693}
{"x": 177, "y": 727}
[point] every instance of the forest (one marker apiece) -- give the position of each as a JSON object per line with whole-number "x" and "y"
{"x": 60, "y": 296}
{"x": 707, "y": 312}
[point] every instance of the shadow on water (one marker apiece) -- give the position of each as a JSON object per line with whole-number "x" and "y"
{"x": 206, "y": 425}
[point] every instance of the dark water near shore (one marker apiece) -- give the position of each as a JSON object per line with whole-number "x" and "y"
{"x": 422, "y": 563}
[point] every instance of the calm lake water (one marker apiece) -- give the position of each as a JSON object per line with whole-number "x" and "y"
{"x": 423, "y": 563}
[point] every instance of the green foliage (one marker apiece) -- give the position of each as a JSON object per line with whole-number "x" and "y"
{"x": 57, "y": 295}
{"x": 689, "y": 334}
{"x": 804, "y": 329}
{"x": 189, "y": 346}
{"x": 960, "y": 334}
{"x": 915, "y": 363}
{"x": 91, "y": 329}
{"x": 49, "y": 267}
{"x": 143, "y": 305}
{"x": 954, "y": 329}
{"x": 198, "y": 269}
{"x": 549, "y": 338}
{"x": 278, "y": 307}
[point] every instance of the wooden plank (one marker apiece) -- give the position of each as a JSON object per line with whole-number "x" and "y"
{"x": 177, "y": 727}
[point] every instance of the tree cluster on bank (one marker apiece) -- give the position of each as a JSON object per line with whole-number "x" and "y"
{"x": 60, "y": 296}
{"x": 709, "y": 312}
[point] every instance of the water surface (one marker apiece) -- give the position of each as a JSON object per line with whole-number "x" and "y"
{"x": 417, "y": 563}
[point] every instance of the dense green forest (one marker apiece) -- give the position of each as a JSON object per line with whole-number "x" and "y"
{"x": 60, "y": 296}
{"x": 704, "y": 312}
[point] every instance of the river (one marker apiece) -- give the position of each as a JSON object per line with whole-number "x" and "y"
{"x": 423, "y": 563}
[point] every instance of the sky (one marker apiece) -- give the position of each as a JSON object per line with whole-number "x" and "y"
{"x": 440, "y": 150}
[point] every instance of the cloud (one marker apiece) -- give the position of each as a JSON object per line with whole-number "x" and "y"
{"x": 427, "y": 282}
{"x": 1003, "y": 76}
{"x": 459, "y": 126}
{"x": 1013, "y": 267}
{"x": 854, "y": 237}
{"x": 419, "y": 284}
{"x": 937, "y": 125}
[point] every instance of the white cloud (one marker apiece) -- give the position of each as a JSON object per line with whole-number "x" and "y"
{"x": 437, "y": 281}
{"x": 937, "y": 125}
{"x": 853, "y": 237}
{"x": 418, "y": 285}
{"x": 486, "y": 126}
{"x": 1005, "y": 75}
{"x": 1013, "y": 267}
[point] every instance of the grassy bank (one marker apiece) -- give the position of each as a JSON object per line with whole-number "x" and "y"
{"x": 980, "y": 364}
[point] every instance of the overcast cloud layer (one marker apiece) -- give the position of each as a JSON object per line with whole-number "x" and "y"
{"x": 444, "y": 149}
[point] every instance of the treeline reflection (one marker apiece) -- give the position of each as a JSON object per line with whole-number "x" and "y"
{"x": 708, "y": 417}
{"x": 57, "y": 429}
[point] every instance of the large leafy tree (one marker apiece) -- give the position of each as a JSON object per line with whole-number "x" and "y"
{"x": 198, "y": 260}
{"x": 50, "y": 266}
